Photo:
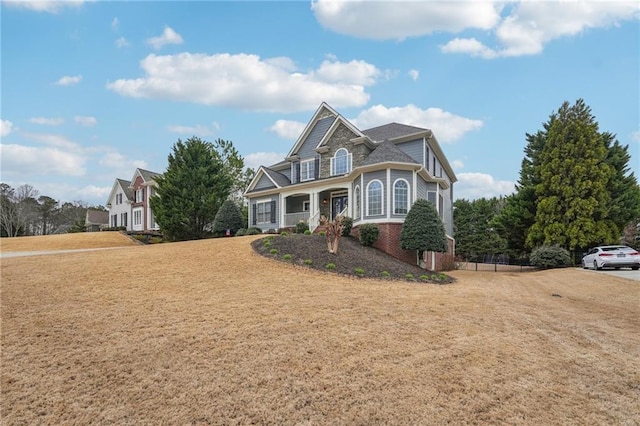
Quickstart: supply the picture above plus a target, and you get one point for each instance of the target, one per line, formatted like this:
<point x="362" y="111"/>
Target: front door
<point x="338" y="203"/>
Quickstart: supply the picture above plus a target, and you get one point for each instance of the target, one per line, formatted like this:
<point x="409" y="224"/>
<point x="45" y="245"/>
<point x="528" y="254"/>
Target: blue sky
<point x="91" y="90"/>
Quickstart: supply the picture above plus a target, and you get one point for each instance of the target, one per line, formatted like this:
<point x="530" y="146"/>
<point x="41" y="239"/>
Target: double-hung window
<point x="307" y="170"/>
<point x="263" y="212"/>
<point x="139" y="195"/>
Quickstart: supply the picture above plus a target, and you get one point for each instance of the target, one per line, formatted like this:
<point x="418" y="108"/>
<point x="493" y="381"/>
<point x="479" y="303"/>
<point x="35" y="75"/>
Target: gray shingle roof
<point x="385" y="152"/>
<point x="277" y="177"/>
<point x="125" y="184"/>
<point x="148" y="175"/>
<point x="390" y="131"/>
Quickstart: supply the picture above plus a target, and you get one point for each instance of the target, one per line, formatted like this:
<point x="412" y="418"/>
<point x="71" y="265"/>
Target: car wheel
<point x="595" y="266"/>
<point x="635" y="268"/>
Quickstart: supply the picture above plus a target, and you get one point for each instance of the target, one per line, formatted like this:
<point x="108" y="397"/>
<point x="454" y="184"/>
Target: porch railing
<point x="314" y="221"/>
<point x="292" y="219"/>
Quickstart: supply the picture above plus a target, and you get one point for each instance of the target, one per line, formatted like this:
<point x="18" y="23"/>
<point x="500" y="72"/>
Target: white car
<point x="612" y="257"/>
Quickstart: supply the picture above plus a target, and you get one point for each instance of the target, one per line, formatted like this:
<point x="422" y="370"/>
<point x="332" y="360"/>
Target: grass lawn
<point x="209" y="332"/>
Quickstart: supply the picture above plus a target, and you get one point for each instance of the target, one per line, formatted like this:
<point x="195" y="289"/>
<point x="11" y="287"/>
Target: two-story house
<point x="373" y="176"/>
<point x="128" y="202"/>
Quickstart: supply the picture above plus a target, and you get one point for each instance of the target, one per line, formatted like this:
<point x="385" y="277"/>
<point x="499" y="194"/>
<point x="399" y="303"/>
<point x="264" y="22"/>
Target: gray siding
<point x="413" y="149"/>
<point x="380" y="175"/>
<point x="307" y="150"/>
<point x="294" y="204"/>
<point x="422" y="189"/>
<point x="264" y="183"/>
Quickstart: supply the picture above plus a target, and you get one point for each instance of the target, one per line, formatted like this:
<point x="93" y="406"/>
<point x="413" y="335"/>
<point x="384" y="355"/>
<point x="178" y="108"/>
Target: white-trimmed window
<point x="341" y="162"/>
<point x="358" y="203"/>
<point x="123" y="219"/>
<point x="139" y="195"/>
<point x="307" y="170"/>
<point x="374" y="198"/>
<point x="263" y="212"/>
<point x="305" y="206"/>
<point x="400" y="197"/>
<point x="137" y="217"/>
<point x="119" y="198"/>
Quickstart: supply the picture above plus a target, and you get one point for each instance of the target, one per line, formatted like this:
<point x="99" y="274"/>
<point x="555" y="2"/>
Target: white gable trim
<point x="305" y="133"/>
<point x="261" y="172"/>
<point x="114" y="188"/>
<point x="339" y="119"/>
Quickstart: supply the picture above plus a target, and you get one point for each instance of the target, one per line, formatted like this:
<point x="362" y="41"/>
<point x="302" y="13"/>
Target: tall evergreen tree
<point x="199" y="178"/>
<point x="572" y="196"/>
<point x="474" y="228"/>
<point x="229" y="217"/>
<point x="623" y="186"/>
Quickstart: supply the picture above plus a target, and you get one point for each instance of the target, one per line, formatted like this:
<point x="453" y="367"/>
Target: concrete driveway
<point x="622" y="273"/>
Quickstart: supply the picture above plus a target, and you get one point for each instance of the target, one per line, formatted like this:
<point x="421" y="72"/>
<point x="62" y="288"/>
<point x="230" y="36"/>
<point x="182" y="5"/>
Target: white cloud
<point x="530" y="25"/>
<point x="6" y="127"/>
<point x="248" y="82"/>
<point x="383" y="20"/>
<point x="169" y="36"/>
<point x="257" y="159"/>
<point x="47" y="121"/>
<point x="447" y="127"/>
<point x="287" y="129"/>
<point x="49" y="6"/>
<point x="115" y="24"/>
<point x="92" y="192"/>
<point x="635" y="136"/>
<point x="414" y="74"/>
<point x="457" y="164"/>
<point x="477" y="185"/>
<point x="20" y="160"/>
<point x="122" y="42"/>
<point x="68" y="80"/>
<point x="198" y="130"/>
<point x="85" y="121"/>
<point x="53" y="140"/>
<point x="118" y="164"/>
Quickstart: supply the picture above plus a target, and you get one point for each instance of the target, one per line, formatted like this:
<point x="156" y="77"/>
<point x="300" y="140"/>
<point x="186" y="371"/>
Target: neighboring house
<point x="128" y="202"/>
<point x="95" y="220"/>
<point x="119" y="204"/>
<point x="373" y="176"/>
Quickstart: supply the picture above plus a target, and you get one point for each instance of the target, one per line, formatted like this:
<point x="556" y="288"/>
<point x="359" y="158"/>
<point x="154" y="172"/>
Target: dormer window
<point x="341" y="162"/>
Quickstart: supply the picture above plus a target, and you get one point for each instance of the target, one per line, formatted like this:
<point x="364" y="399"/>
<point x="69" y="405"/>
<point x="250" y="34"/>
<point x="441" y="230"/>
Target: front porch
<point x="309" y="207"/>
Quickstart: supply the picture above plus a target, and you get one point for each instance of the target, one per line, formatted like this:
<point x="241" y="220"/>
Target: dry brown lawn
<point x="81" y="240"/>
<point x="209" y="332"/>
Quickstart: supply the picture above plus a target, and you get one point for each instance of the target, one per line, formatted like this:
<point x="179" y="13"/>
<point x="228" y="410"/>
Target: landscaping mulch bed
<point x="311" y="251"/>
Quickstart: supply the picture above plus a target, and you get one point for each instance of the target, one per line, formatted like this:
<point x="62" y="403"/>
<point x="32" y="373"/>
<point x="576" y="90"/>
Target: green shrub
<point x="155" y="240"/>
<point x="359" y="271"/>
<point x="307" y="232"/>
<point x="322" y="233"/>
<point x="254" y="231"/>
<point x="284" y="233"/>
<point x="547" y="257"/>
<point x="425" y="277"/>
<point x="409" y="276"/>
<point x="369" y="233"/>
<point x="229" y="218"/>
<point x="272" y="231"/>
<point x="385" y="274"/>
<point x="347" y="224"/>
<point x="273" y="251"/>
<point x="267" y="243"/>
<point x="331" y="266"/>
<point x="287" y="256"/>
<point x="240" y="232"/>
<point x="308" y="261"/>
<point x="301" y="227"/>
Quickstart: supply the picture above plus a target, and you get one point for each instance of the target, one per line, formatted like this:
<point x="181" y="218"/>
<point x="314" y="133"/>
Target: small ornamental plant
<point x="267" y="243"/>
<point x="307" y="232"/>
<point x="385" y="274"/>
<point x="273" y="251"/>
<point x="287" y="256"/>
<point x="284" y="233"/>
<point x="409" y="276"/>
<point x="331" y="266"/>
<point x="308" y="261"/>
<point x="359" y="271"/>
<point x="425" y="277"/>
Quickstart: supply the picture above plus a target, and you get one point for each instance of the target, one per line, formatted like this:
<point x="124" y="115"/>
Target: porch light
<point x="324" y="201"/>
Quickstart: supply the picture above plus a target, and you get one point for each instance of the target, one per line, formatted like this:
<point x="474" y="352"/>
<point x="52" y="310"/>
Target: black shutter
<point x="297" y="174"/>
<point x="317" y="168"/>
<point x="253" y="214"/>
<point x="273" y="212"/>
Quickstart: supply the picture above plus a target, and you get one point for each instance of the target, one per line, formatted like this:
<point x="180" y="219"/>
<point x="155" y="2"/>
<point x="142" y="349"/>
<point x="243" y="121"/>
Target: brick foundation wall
<point x="389" y="242"/>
